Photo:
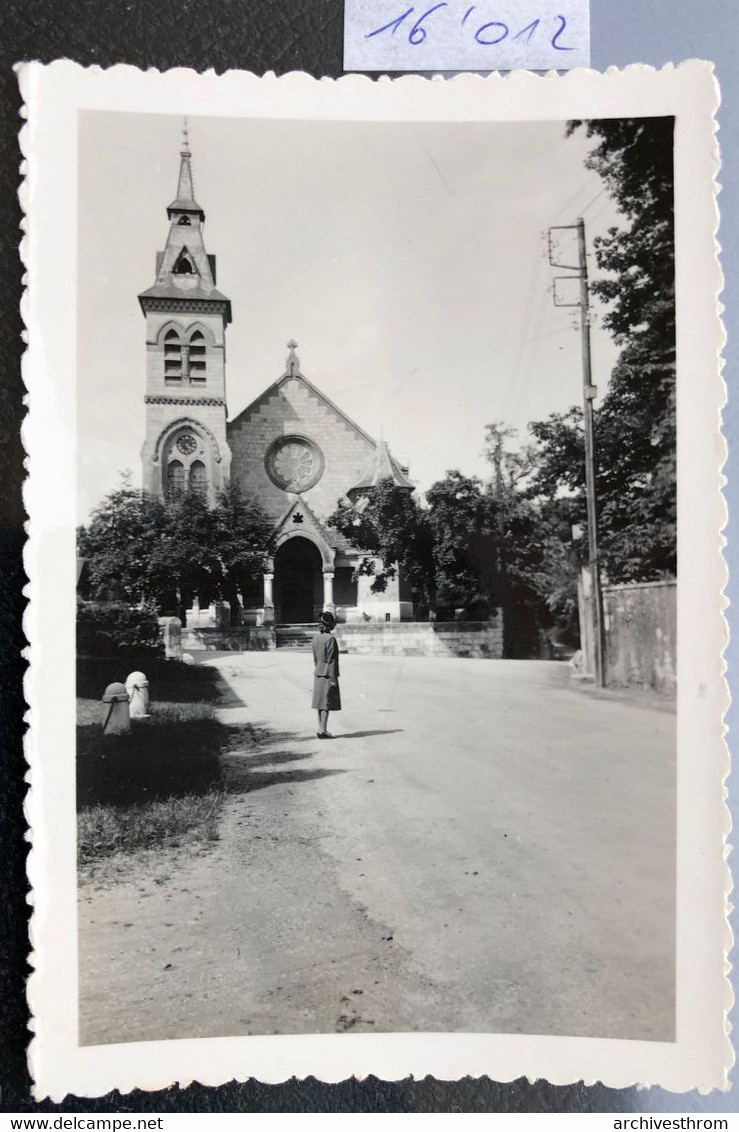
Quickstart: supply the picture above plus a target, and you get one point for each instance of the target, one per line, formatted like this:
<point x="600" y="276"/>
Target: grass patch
<point x="160" y="785"/>
<point x="102" y="830"/>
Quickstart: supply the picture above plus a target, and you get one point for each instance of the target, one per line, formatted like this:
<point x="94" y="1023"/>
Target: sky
<point x="408" y="261"/>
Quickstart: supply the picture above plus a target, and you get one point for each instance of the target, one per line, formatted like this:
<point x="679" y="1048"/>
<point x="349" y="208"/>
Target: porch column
<point x="328" y="591"/>
<point x="269" y="608"/>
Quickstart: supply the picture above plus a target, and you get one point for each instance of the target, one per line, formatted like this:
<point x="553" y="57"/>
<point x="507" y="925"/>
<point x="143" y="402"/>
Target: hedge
<point x="113" y="627"/>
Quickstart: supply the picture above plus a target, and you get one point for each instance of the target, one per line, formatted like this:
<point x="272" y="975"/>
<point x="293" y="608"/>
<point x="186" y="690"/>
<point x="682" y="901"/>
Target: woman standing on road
<point x="326" y="695"/>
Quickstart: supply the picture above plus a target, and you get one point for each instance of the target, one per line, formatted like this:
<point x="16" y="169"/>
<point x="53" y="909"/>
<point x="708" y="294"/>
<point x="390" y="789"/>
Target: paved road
<point x="480" y="848"/>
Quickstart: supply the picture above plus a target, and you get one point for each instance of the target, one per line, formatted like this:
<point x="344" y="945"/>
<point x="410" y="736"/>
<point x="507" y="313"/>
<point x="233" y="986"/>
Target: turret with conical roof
<point x="380" y="466"/>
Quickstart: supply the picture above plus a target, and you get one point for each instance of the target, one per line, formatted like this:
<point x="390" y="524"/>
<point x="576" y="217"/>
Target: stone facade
<point x="294" y="407"/>
<point x="291" y="449"/>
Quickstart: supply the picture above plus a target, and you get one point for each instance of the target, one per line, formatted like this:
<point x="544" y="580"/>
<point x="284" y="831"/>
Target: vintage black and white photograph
<point x="376" y="508"/>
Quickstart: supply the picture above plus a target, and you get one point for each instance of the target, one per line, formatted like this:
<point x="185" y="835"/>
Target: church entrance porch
<point x="298" y="582"/>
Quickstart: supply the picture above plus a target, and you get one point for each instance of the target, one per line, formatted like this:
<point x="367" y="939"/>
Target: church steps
<point x="294" y="636"/>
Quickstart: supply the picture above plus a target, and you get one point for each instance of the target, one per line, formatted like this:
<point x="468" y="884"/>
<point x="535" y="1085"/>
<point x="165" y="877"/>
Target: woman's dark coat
<point x="326" y="696"/>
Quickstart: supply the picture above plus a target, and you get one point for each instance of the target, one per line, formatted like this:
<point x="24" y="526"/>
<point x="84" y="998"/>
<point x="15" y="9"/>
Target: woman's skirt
<point x="326" y="697"/>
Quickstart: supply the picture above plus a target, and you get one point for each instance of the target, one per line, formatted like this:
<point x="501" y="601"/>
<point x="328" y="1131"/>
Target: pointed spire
<point x="185" y="190"/>
<point x="293" y="361"/>
<point x="185" y="199"/>
<point x="184" y="270"/>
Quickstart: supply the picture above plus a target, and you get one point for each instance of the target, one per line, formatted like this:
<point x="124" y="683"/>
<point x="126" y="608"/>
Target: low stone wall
<point x="480" y="639"/>
<point x="238" y="638"/>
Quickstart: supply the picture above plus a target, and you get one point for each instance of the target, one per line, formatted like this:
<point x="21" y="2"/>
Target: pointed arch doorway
<point x="298" y="582"/>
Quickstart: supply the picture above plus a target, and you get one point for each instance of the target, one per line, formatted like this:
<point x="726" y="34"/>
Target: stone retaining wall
<point x="239" y="638"/>
<point x="481" y="639"/>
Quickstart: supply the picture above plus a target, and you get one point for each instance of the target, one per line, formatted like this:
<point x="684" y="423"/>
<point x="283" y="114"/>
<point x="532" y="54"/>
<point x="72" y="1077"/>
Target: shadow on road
<point x="241" y="773"/>
<point x="368" y="734"/>
<point x="245" y="760"/>
<point x="246" y="737"/>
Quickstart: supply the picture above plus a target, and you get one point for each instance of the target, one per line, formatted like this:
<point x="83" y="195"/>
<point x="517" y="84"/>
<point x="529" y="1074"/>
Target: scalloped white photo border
<point x="701" y="1054"/>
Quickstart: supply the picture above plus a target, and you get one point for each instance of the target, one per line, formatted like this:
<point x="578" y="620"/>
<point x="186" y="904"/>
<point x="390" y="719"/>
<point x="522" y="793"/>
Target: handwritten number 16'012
<point x="487" y="34"/>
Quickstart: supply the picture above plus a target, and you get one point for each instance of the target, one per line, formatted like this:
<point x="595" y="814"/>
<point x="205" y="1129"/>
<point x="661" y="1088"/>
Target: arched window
<point x="172" y="356"/>
<point x="198" y="479"/>
<point x="197" y="357"/>
<point x="184" y="266"/>
<point x="185" y="221"/>
<point x="175" y="479"/>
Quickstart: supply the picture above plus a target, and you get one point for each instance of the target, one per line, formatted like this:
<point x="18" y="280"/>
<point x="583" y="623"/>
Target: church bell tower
<point x="186" y="448"/>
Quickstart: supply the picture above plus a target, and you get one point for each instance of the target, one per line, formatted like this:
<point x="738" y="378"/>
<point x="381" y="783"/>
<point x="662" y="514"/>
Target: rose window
<point x="294" y="463"/>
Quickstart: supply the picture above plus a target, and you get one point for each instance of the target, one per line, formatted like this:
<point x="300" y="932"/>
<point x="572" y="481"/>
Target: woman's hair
<point x="327" y="619"/>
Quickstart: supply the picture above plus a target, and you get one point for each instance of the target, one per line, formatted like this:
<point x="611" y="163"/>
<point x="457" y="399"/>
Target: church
<point x="292" y="449"/>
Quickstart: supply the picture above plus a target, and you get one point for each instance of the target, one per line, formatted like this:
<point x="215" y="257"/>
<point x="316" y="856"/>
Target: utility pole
<point x="580" y="271"/>
<point x="502" y="578"/>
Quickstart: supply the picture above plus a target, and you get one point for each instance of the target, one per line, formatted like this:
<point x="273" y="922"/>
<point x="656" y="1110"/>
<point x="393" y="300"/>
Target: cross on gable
<point x="293" y="361"/>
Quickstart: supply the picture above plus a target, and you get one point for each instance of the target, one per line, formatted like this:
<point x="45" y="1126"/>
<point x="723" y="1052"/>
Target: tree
<point x="634" y="157"/>
<point x="187" y="552"/>
<point x="445" y="549"/>
<point x="140" y="549"/>
<point x="636" y="481"/>
<point x="244" y="540"/>
<point x="635" y="424"/>
<point x="121" y="546"/>
<point x="536" y="585"/>
<point x="389" y="524"/>
<point x="452" y="548"/>
<point x="464" y="549"/>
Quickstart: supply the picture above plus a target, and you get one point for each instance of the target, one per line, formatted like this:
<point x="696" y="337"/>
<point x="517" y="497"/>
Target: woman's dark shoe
<point x="320" y="735"/>
<point x="326" y="735"/>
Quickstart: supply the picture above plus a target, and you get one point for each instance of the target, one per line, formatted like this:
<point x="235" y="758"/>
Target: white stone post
<point x="328" y="591"/>
<point x="137" y="687"/>
<point x="269" y="607"/>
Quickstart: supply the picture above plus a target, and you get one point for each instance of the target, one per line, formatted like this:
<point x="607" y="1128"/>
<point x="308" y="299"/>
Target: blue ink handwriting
<point x="487" y="34"/>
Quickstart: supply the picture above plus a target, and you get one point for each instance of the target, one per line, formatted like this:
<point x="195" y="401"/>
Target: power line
<point x="530" y="348"/>
<point x="601" y="211"/>
<point x="585" y="185"/>
<point x="525" y="329"/>
<point x="592" y="202"/>
<point x="534" y="297"/>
